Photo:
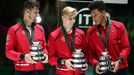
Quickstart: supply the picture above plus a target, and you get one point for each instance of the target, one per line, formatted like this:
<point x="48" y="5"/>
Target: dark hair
<point x="100" y="5"/>
<point x="29" y="4"/>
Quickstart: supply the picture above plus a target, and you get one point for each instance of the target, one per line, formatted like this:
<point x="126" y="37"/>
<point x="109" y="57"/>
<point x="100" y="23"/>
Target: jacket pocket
<point x="117" y="43"/>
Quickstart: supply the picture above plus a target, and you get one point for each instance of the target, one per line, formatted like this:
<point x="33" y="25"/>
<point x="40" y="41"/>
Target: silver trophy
<point x="78" y="59"/>
<point x="105" y="62"/>
<point x="36" y="52"/>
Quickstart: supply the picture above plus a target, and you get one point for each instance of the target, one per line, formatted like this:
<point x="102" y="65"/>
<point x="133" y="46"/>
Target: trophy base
<point x="79" y="66"/>
<point x="37" y="59"/>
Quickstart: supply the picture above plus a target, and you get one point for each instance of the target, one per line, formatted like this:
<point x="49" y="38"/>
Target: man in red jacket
<point x="107" y="36"/>
<point x="20" y="40"/>
<point x="63" y="42"/>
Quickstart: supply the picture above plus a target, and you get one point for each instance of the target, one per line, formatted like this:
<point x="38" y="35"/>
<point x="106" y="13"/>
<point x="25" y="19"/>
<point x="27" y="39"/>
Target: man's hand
<point x="97" y="69"/>
<point x="29" y="59"/>
<point x="116" y="66"/>
<point x="86" y="67"/>
<point x="46" y="58"/>
<point x="69" y="65"/>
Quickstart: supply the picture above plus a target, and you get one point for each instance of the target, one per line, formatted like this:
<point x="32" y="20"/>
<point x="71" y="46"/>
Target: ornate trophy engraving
<point x="36" y="51"/>
<point x="105" y="62"/>
<point x="78" y="59"/>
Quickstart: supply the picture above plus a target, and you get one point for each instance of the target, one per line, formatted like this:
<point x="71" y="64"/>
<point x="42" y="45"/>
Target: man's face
<point x="32" y="14"/>
<point x="68" y="20"/>
<point x="97" y="16"/>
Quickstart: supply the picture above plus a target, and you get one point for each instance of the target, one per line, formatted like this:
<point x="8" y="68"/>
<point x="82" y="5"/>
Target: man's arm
<point x="91" y="50"/>
<point x="125" y="44"/>
<point x="11" y="46"/>
<point x="53" y="59"/>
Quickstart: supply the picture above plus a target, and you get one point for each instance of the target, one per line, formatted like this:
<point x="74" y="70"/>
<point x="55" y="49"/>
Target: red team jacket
<point x="17" y="43"/>
<point x="58" y="48"/>
<point x="118" y="43"/>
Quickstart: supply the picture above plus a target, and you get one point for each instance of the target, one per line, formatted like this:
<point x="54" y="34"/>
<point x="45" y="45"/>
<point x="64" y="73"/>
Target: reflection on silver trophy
<point x="36" y="51"/>
<point x="78" y="59"/>
<point x="105" y="62"/>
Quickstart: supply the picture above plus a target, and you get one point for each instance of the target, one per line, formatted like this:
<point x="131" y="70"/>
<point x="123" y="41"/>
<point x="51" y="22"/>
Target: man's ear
<point x="62" y="17"/>
<point x="27" y="11"/>
<point x="104" y="12"/>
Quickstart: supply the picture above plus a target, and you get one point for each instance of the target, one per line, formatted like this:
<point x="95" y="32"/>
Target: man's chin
<point x="97" y="23"/>
<point x="71" y="26"/>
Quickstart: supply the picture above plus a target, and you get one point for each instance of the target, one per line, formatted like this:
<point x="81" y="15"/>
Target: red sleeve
<point x="45" y="44"/>
<point x="125" y="43"/>
<point x="91" y="50"/>
<point x="11" y="46"/>
<point x="84" y="48"/>
<point x="51" y="50"/>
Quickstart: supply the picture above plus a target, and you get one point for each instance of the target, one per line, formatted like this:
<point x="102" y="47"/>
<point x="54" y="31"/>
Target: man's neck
<point x="104" y="23"/>
<point x="68" y="30"/>
<point x="27" y="23"/>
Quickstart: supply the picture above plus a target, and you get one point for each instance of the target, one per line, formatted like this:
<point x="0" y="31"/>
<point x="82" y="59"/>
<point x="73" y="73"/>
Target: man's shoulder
<point x="15" y="26"/>
<point x="91" y="29"/>
<point x="56" y="32"/>
<point x="40" y="27"/>
<point x="117" y="24"/>
<point x="81" y="32"/>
